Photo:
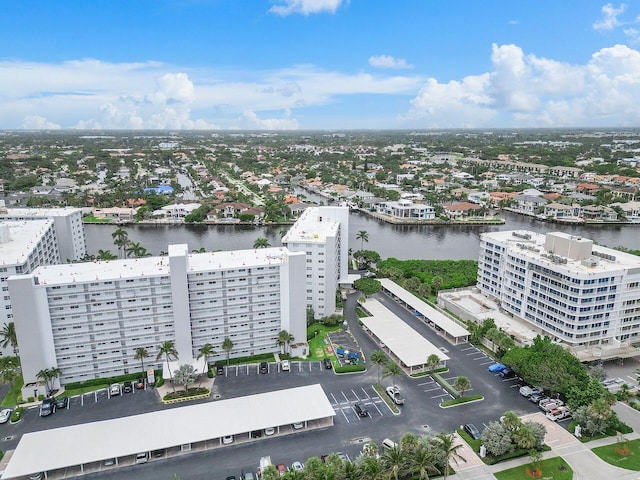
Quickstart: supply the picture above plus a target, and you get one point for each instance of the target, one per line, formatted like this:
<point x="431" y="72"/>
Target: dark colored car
<point x="256" y="434"/>
<point x="127" y="387"/>
<point x="62" y="402"/>
<point x="158" y="453"/>
<point x="264" y="367"/>
<point x="472" y="430"/>
<point x="507" y="373"/>
<point x="327" y="364"/>
<point x="219" y="370"/>
<point x="47" y="407"/>
<point x="360" y="410"/>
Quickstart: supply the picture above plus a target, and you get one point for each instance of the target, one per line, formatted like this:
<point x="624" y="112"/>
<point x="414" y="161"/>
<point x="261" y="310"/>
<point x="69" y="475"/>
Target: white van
<point x="142" y="457"/>
<point x="388" y="443"/>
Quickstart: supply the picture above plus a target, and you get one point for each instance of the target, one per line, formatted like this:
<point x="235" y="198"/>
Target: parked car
<point x="219" y="369"/>
<point x="507" y="373"/>
<point x="281" y="468"/>
<point x="264" y="367"/>
<point x="527" y="390"/>
<point x="5" y="415"/>
<point x="550" y="404"/>
<point x="36" y="476"/>
<point x="269" y="431"/>
<point x="142" y="457"/>
<point x="327" y="364"/>
<point x="472" y="430"/>
<point x="159" y="453"/>
<point x="360" y="410"/>
<point x="297" y="466"/>
<point x="256" y="434"/>
<point x="297" y="425"/>
<point x="127" y="387"/>
<point x="536" y="397"/>
<point x="394" y="394"/>
<point x="284" y="365"/>
<point x="62" y="402"/>
<point x="140" y="384"/>
<point x="388" y="444"/>
<point x="558" y="414"/>
<point x="109" y="462"/>
<point x="114" y="389"/>
<point x="47" y="407"/>
<point x="227" y="439"/>
<point x="496" y="367"/>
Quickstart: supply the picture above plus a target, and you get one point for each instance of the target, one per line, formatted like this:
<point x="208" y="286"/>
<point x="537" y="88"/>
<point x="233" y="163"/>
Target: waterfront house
<point x="406" y="209"/>
<point x="461" y="209"/>
<point x="560" y="211"/>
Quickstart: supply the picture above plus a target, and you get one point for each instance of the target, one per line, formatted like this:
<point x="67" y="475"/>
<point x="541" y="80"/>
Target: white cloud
<point x="633" y="35"/>
<point x="529" y="91"/>
<point x="610" y="15"/>
<point x="36" y="122"/>
<point x="251" y="121"/>
<point x="387" y="61"/>
<point x="306" y="7"/>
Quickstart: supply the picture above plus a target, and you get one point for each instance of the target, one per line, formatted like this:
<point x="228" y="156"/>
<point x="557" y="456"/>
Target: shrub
<point x="350" y="368"/>
<point x="210" y="373"/>
<point x="30" y="399"/>
<point x="40" y="397"/>
<point x="159" y="381"/>
<point x="16" y="415"/>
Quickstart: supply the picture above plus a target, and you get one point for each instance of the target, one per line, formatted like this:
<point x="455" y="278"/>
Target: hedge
<point x="192" y="392"/>
<point x="251" y="359"/>
<point x="109" y="380"/>
<point x="449" y="388"/>
<point x="350" y="368"/>
<point x="459" y="400"/>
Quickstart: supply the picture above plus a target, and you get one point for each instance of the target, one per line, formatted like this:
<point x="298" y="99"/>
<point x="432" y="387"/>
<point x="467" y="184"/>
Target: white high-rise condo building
<point x="87" y="319"/>
<point x="68" y="226"/>
<point x="574" y="291"/>
<point x="323" y="234"/>
<point x="24" y="246"/>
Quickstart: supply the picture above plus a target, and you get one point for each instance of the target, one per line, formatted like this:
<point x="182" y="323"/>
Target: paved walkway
<point x="585" y="464"/>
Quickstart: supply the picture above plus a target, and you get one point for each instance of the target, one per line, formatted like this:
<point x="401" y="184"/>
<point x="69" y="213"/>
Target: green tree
<point x="524" y="438"/>
<point x="393" y="462"/>
<point x="206" y="351"/>
<point x="140" y="354"/>
<point x="261" y="243"/>
<point x="168" y="350"/>
<point x="422" y="462"/>
<point x="433" y="361"/>
<point x="284" y="340"/>
<point x="392" y="369"/>
<point x="368" y="286"/>
<point x="120" y="239"/>
<point x="378" y="358"/>
<point x="105" y="255"/>
<point x="363" y="236"/>
<point x="462" y="384"/>
<point x="448" y="448"/>
<point x="496" y="438"/>
<point x="184" y="375"/>
<point x="8" y="337"/>
<point x="511" y="421"/>
<point x="227" y="346"/>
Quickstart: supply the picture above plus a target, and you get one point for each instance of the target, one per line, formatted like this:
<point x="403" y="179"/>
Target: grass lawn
<point x="11" y="398"/>
<point x="555" y="468"/>
<point x="631" y="461"/>
<point x="317" y="347"/>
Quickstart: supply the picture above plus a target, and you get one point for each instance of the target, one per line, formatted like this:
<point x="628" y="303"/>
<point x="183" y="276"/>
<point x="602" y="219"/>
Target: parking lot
<point x="273" y="367"/>
<point x="343" y="402"/>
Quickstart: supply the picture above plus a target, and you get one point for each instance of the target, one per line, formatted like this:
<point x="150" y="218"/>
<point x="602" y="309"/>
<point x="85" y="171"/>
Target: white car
<point x="297" y="466"/>
<point x="269" y="431"/>
<point x="284" y="364"/>
<point x="114" y="389"/>
<point x="297" y="425"/>
<point x="227" y="439"/>
<point x="5" y="415"/>
<point x="394" y="393"/>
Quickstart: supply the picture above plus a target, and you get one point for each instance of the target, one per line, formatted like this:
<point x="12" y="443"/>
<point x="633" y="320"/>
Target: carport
<point x="400" y="340"/>
<point x="81" y="449"/>
<point x="450" y="329"/>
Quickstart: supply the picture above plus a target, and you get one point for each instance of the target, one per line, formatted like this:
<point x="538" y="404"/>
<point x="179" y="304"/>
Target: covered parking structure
<point x="445" y="326"/>
<point x="81" y="449"/>
<point x="401" y="341"/>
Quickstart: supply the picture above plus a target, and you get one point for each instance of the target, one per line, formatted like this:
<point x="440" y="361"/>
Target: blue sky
<point x="319" y="64"/>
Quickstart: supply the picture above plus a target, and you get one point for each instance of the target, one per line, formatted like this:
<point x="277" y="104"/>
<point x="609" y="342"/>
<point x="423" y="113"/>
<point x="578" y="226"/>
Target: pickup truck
<point x="394" y="393"/>
<point x="527" y="391"/>
<point x="558" y="413"/>
<point x="548" y="405"/>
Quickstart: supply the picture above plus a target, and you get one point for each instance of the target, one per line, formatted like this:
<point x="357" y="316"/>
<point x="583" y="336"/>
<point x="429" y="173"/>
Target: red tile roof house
<point x="459" y="210"/>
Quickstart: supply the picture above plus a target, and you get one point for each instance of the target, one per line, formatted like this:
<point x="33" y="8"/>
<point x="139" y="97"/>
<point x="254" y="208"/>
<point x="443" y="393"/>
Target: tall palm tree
<point x="206" y="351"/>
<point x="284" y="339"/>
<point x="168" y="349"/>
<point x="448" y="448"/>
<point x="363" y="236"/>
<point x="227" y="346"/>
<point x="392" y="369"/>
<point x="261" y="243"/>
<point x="120" y="239"/>
<point x="393" y="461"/>
<point x="378" y="358"/>
<point x="8" y="337"/>
<point x="54" y="373"/>
<point x="141" y="354"/>
<point x="422" y="462"/>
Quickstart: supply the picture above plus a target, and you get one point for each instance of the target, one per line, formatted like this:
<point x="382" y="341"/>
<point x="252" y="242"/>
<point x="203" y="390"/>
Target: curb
<point x="463" y="403"/>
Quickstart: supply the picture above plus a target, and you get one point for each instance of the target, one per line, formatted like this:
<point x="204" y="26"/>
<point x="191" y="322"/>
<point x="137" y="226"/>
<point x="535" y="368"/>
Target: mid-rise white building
<point x="24" y="246"/>
<point x="87" y="319"/>
<point x="323" y="234"/>
<point x="68" y="225"/>
<point x="574" y="291"/>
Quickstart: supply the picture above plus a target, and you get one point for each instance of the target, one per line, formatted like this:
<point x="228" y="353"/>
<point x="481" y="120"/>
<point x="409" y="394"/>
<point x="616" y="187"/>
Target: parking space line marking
<point x="426" y="383"/>
<point x="355" y="394"/>
<point x="442" y="395"/>
<point x="334" y="399"/>
<point x="365" y="392"/>
<point x="345" y="416"/>
<point x="468" y="348"/>
<point x="378" y="410"/>
<point x="487" y="363"/>
<point x="473" y="353"/>
<point x="478" y="358"/>
<point x="345" y="397"/>
<point x="432" y="389"/>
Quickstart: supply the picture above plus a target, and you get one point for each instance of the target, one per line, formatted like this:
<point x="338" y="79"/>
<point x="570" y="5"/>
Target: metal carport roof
<point x="57" y="448"/>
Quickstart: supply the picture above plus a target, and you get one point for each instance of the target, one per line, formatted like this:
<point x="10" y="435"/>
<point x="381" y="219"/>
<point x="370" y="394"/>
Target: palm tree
<point x="462" y="384"/>
<point x="168" y="349"/>
<point x="392" y="369"/>
<point x="54" y="373"/>
<point x="363" y="236"/>
<point x="393" y="461"/>
<point x="8" y="337"/>
<point x="261" y="243"/>
<point x="199" y="250"/>
<point x="284" y="338"/>
<point x="184" y="375"/>
<point x="9" y="376"/>
<point x="48" y="374"/>
<point x="120" y="239"/>
<point x="511" y="421"/>
<point x="136" y="249"/>
<point x="205" y="351"/>
<point x="433" y="361"/>
<point x="105" y="255"/>
<point x="141" y="354"/>
<point x="227" y="346"/>
<point x="422" y="462"/>
<point x="378" y="358"/>
<point x="446" y="445"/>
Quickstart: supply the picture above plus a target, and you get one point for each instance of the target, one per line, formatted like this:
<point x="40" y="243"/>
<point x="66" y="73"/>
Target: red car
<point x="281" y="468"/>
